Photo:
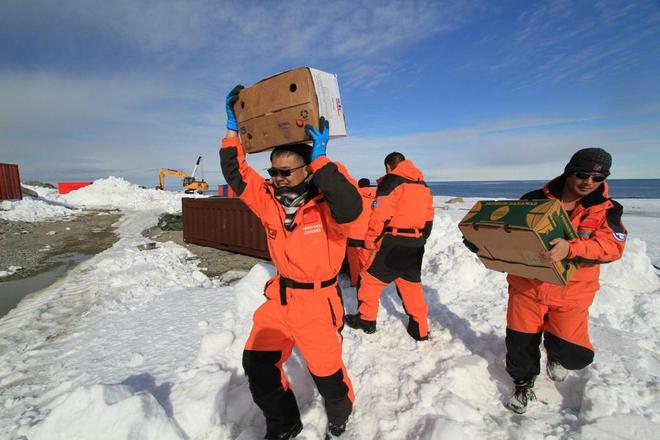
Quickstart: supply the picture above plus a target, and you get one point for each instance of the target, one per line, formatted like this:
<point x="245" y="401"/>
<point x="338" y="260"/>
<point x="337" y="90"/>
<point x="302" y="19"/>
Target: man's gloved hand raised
<point x="232" y="97"/>
<point x="320" y="137"/>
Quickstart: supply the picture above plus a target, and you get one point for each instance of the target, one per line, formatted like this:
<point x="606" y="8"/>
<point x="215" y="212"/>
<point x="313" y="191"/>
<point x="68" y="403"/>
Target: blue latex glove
<point x="320" y="138"/>
<point x="232" y="97"/>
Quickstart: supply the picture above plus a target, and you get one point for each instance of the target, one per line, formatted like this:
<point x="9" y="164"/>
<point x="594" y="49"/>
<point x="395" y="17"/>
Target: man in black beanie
<point x="560" y="314"/>
<point x="594" y="160"/>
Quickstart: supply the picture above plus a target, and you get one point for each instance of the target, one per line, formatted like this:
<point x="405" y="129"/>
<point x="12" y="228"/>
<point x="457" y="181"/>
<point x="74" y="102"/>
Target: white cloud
<point x="94" y="126"/>
<point x="525" y="148"/>
<point x="40" y="101"/>
<point x="562" y="41"/>
<point x="56" y="125"/>
<point x="151" y="24"/>
<point x="358" y="38"/>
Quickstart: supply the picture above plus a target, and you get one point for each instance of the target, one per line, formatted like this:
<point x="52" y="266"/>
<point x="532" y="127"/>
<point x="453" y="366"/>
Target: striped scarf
<point x="291" y="199"/>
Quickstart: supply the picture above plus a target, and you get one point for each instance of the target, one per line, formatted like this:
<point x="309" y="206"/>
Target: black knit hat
<point x="364" y="182"/>
<point x="590" y="160"/>
<point x="302" y="150"/>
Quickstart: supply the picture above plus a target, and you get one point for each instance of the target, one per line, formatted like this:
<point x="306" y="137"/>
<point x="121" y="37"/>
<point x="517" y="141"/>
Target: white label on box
<point x="330" y="107"/>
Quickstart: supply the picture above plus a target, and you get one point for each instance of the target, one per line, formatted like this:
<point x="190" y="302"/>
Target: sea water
<point x="513" y="189"/>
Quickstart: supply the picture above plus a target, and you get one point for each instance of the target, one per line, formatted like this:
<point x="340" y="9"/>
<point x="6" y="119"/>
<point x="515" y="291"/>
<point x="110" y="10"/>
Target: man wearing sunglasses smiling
<point x="306" y="209"/>
<point x="560" y="314"/>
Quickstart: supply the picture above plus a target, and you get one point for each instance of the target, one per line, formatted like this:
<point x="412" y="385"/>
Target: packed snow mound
<point x="634" y="271"/>
<point x="117" y="193"/>
<point x="107" y="412"/>
<point x="43" y="191"/>
<point x="133" y="276"/>
<point x="202" y="403"/>
<point x="108" y="193"/>
<point x="34" y="210"/>
<point x="628" y="298"/>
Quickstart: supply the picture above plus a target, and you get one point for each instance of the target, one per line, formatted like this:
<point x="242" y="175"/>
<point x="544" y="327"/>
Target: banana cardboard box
<point x="275" y="110"/>
<point x="511" y="234"/>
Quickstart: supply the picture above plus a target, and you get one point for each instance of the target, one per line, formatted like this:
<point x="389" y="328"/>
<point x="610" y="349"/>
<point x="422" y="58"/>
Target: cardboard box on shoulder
<point x="511" y="234"/>
<point x="275" y="110"/>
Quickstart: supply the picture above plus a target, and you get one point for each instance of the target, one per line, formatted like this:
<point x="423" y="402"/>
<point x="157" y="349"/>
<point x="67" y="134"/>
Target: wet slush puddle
<point x="12" y="292"/>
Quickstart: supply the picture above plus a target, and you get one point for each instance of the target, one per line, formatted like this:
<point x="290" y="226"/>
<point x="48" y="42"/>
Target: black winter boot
<point x="413" y="331"/>
<point x="522" y="394"/>
<point x="290" y="433"/>
<point x="334" y="430"/>
<point x="556" y="371"/>
<point x="356" y="322"/>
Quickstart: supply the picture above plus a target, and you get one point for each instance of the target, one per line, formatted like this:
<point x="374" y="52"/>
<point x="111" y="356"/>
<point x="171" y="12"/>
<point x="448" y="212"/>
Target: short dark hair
<point x="393" y="159"/>
<point x="364" y="182"/>
<point x="303" y="151"/>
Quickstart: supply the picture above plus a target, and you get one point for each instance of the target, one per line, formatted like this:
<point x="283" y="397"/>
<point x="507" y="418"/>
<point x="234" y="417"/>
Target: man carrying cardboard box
<point x="560" y="314"/>
<point x="399" y="225"/>
<point x="306" y="209"/>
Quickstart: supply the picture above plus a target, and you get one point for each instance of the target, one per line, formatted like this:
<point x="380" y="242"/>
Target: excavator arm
<point x="199" y="159"/>
<point x="167" y="172"/>
<point x="189" y="182"/>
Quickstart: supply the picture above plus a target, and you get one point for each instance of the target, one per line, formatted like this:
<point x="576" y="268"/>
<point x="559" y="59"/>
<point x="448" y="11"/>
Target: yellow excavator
<point x="190" y="185"/>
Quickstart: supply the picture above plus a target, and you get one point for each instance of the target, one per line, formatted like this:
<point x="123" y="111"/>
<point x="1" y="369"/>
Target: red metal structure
<point x="10" y="182"/>
<point x="223" y="223"/>
<point x="67" y="187"/>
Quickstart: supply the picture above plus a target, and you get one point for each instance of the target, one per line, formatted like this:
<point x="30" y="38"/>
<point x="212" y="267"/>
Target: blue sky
<point x="469" y="90"/>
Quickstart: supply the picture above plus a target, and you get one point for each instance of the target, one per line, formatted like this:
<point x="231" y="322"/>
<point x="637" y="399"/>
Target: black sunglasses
<point x="286" y="172"/>
<point x="584" y="176"/>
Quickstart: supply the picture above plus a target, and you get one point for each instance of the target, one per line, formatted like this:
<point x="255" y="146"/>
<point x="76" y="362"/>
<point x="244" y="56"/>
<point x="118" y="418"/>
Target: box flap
<point x="330" y="106"/>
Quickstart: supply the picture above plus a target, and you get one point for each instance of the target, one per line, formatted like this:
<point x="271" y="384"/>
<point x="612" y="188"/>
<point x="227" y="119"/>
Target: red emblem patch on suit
<point x="272" y="232"/>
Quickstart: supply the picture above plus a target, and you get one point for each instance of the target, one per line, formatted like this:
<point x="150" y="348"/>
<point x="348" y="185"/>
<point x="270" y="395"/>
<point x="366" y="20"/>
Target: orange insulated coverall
<point x="399" y="225"/>
<point x="561" y="313"/>
<point x="303" y="304"/>
<point x="356" y="253"/>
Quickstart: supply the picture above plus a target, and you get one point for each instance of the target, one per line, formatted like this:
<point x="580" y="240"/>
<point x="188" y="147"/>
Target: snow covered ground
<point x="108" y="193"/>
<point x="141" y="344"/>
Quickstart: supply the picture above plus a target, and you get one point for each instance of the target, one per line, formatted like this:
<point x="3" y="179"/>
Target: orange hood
<point x="408" y="170"/>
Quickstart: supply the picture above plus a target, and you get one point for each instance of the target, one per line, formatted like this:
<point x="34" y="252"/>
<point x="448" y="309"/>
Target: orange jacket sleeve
<point x="606" y="243"/>
<point x="430" y="214"/>
<point x="242" y="178"/>
<point x="339" y="191"/>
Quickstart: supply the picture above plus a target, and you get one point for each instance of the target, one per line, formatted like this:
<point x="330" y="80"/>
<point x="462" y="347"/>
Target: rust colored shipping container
<point x="10" y="182"/>
<point x="223" y="223"/>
